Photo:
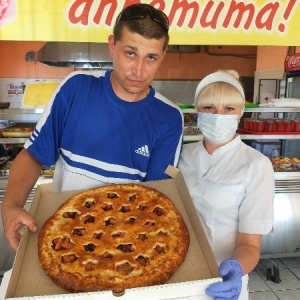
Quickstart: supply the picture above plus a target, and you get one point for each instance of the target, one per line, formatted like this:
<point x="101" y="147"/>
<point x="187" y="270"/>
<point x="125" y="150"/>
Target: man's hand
<point x="230" y="287"/>
<point x="13" y="222"/>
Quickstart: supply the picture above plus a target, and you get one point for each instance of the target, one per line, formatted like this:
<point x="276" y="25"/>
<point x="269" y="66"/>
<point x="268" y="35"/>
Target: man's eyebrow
<point x="133" y="48"/>
<point x="130" y="47"/>
<point x="153" y="54"/>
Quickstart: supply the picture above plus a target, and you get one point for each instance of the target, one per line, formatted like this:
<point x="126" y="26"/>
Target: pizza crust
<point x="112" y="238"/>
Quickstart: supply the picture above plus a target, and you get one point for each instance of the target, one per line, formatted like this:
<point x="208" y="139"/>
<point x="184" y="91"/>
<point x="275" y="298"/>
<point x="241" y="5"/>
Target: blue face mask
<point x="217" y="129"/>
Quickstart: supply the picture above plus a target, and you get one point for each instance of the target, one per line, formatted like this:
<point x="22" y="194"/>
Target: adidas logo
<point x="143" y="151"/>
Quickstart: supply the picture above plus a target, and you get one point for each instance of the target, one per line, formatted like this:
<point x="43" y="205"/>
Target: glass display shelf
<point x="13" y="140"/>
<point x="199" y="137"/>
<point x="256" y="109"/>
<point x="13" y="111"/>
<point x="194" y="138"/>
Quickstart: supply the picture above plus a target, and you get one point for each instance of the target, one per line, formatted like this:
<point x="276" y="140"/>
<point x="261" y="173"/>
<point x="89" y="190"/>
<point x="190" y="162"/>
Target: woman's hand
<point x="230" y="287"/>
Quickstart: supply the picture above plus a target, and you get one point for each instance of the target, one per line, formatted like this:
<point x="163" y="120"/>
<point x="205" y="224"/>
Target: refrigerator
<point x="292" y="90"/>
<point x="292" y="87"/>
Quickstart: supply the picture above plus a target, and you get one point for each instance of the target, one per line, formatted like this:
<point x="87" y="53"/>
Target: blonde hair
<point x="221" y="93"/>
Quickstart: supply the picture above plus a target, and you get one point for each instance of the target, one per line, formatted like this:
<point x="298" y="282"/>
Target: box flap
<point x="196" y="223"/>
<point x="194" y="218"/>
<point x="172" y="171"/>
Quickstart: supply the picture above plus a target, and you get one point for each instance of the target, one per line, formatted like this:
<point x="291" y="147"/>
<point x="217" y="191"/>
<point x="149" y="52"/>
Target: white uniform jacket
<point x="233" y="191"/>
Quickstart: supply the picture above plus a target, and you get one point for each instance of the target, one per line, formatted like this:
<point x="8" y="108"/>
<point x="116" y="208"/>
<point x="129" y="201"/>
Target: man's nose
<point x="138" y="67"/>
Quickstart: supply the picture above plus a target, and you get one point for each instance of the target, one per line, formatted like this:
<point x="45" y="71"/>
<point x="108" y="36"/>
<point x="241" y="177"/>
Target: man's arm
<point x="166" y="152"/>
<point x="23" y="175"/>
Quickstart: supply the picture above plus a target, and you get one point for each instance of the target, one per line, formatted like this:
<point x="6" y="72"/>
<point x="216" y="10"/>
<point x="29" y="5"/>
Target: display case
<point x="19" y="117"/>
<point x="191" y="134"/>
<point x="255" y="113"/>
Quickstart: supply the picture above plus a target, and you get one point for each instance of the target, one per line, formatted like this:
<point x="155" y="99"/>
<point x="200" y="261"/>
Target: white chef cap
<point x="217" y="77"/>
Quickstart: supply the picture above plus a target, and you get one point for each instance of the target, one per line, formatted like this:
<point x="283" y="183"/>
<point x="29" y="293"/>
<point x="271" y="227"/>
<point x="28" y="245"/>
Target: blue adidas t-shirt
<point x="96" y="138"/>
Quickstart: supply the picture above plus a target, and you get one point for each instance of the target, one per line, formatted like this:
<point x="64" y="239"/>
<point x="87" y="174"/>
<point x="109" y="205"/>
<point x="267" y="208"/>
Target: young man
<point x="111" y="127"/>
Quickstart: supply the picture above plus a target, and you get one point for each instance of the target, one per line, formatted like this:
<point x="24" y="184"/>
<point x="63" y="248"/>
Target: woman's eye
<point x="230" y="108"/>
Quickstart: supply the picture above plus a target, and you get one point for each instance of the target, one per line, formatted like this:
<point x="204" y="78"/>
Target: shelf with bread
<point x="15" y="134"/>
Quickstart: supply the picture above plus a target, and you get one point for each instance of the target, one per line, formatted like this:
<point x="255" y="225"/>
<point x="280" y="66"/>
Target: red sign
<point x="292" y="63"/>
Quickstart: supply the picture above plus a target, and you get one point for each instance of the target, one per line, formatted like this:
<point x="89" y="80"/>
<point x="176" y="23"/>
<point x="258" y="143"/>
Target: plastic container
<point x="259" y="126"/>
<point x="269" y="125"/>
<point x="296" y="125"/>
<point x="247" y="123"/>
<point x="287" y="125"/>
<point x="252" y="124"/>
<point x="279" y="125"/>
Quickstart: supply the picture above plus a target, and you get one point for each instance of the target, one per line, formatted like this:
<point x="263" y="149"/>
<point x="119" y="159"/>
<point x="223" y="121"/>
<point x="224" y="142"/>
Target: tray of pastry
<point x="16" y="132"/>
<point x="47" y="172"/>
<point x="191" y="130"/>
<point x="285" y="163"/>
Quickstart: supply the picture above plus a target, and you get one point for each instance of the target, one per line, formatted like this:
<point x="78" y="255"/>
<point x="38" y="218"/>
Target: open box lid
<point x="197" y="271"/>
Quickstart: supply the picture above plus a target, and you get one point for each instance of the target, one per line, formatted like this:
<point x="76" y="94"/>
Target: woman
<point x="231" y="184"/>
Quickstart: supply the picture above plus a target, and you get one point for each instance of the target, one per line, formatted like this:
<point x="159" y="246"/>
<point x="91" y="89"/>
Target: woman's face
<point x="221" y="109"/>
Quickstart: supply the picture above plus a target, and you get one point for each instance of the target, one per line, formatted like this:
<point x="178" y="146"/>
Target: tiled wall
<point x="178" y="91"/>
<point x="12" y="90"/>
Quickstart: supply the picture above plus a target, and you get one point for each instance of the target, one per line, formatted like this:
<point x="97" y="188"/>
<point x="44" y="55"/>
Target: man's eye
<point x="150" y="57"/>
<point x="129" y="53"/>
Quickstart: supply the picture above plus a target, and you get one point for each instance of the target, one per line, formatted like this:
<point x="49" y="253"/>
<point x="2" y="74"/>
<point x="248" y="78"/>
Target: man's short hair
<point x="144" y="20"/>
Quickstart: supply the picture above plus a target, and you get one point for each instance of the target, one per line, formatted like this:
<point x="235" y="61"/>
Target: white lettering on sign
<point x="292" y="63"/>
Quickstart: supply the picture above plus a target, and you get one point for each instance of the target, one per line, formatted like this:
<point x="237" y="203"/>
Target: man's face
<point x="136" y="61"/>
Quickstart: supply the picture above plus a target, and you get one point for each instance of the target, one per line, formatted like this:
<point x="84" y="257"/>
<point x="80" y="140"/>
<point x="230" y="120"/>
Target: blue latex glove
<point x="230" y="287"/>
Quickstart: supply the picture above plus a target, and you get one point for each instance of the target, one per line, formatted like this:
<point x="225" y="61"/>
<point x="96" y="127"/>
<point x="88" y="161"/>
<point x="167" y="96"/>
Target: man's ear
<point x="111" y="45"/>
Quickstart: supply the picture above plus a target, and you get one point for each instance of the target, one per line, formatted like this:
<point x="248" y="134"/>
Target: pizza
<point x="112" y="238"/>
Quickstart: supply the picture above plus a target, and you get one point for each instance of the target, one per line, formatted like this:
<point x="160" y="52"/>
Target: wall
<point x="13" y="64"/>
<point x="271" y="57"/>
<point x="176" y="79"/>
<point x="264" y="62"/>
<point x="194" y="66"/>
<point x="176" y="66"/>
<point x="270" y="64"/>
<point x="179" y="91"/>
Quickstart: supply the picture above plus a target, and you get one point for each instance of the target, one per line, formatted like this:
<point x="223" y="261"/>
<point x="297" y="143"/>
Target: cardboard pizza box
<point x="197" y="272"/>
